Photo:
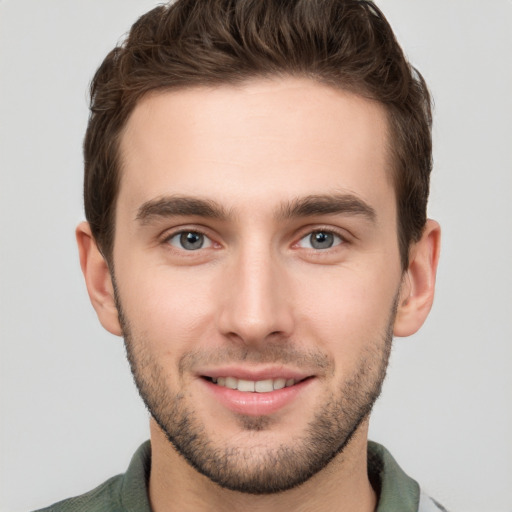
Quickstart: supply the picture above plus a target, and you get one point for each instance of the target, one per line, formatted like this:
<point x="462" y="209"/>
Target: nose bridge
<point x="256" y="305"/>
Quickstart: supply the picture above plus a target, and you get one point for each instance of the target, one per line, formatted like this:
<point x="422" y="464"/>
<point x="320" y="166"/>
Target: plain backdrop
<point x="70" y="415"/>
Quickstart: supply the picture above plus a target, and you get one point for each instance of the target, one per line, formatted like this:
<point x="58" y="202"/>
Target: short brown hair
<point x="347" y="44"/>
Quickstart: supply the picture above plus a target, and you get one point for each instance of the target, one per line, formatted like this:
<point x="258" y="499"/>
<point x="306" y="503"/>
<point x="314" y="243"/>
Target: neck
<point x="342" y="485"/>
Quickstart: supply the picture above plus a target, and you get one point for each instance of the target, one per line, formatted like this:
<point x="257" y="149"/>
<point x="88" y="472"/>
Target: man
<point x="256" y="180"/>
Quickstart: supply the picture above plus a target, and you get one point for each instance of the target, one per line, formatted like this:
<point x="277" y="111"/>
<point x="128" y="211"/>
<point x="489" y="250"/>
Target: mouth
<point x="256" y="391"/>
<point x="254" y="386"/>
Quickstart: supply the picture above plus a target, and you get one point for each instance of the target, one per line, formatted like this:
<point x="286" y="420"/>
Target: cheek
<point x="168" y="308"/>
<point x="346" y="314"/>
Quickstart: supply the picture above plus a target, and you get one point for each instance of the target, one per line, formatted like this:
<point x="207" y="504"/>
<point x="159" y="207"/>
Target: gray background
<point x="70" y="415"/>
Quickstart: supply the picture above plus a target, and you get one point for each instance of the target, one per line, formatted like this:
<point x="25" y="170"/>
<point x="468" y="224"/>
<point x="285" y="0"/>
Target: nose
<point x="257" y="305"/>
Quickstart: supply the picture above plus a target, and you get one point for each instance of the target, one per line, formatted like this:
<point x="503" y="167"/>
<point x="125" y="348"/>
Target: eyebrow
<point x="179" y="206"/>
<point x="309" y="206"/>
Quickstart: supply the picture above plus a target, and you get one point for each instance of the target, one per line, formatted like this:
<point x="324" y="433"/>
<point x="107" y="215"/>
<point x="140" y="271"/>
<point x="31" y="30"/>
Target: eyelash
<point x="168" y="237"/>
<point x="305" y="234"/>
<point x="327" y="231"/>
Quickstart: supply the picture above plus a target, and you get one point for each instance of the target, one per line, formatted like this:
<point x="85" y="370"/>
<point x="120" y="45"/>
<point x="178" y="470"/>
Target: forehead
<point x="255" y="143"/>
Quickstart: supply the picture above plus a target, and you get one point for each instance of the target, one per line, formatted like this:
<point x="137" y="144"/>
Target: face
<point x="257" y="272"/>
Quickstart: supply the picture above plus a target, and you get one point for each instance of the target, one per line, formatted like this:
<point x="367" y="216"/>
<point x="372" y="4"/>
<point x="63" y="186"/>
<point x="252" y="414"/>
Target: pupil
<point x="321" y="240"/>
<point x="191" y="240"/>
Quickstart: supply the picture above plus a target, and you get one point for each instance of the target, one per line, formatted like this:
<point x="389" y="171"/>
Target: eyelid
<point x="303" y="232"/>
<point x="309" y="230"/>
<point x="178" y="230"/>
<point x="206" y="241"/>
<point x="308" y="242"/>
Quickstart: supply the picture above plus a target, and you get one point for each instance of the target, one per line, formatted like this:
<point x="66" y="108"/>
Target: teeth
<point x="231" y="382"/>
<point x="251" y="386"/>
<point x="245" y="385"/>
<point x="264" y="386"/>
<point x="280" y="383"/>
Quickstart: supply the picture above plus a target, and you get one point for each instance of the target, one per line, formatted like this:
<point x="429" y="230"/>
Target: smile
<point x="253" y="386"/>
<point x="258" y="396"/>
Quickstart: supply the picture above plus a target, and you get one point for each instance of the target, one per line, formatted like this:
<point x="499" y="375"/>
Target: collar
<point x="397" y="492"/>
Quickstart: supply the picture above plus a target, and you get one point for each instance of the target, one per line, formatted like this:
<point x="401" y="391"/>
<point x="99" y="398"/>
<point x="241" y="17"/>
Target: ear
<point x="98" y="279"/>
<point x="418" y="284"/>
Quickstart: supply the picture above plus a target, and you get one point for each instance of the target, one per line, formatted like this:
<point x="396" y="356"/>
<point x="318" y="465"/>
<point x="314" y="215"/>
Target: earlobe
<point x="418" y="285"/>
<point x="97" y="279"/>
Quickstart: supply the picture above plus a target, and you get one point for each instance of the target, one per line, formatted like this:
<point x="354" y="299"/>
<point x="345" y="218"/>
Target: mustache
<point x="313" y="361"/>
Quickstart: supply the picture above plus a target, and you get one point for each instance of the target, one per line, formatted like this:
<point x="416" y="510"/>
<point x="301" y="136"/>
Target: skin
<point x="257" y="296"/>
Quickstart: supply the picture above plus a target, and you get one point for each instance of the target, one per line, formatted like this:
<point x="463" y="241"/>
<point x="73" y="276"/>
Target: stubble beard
<point x="262" y="470"/>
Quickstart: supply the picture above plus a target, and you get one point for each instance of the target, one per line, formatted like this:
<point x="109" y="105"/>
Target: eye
<point x="320" y="239"/>
<point x="189" y="240"/>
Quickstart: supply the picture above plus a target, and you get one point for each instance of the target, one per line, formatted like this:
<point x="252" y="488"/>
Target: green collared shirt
<point x="128" y="492"/>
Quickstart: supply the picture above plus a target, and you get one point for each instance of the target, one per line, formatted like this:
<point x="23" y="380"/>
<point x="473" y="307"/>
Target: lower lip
<point x="257" y="404"/>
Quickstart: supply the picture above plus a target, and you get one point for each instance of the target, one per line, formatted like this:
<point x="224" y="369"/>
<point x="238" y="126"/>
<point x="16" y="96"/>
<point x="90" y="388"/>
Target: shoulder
<point x="104" y="498"/>
<point x="122" y="493"/>
<point x="428" y="504"/>
<point x="396" y="490"/>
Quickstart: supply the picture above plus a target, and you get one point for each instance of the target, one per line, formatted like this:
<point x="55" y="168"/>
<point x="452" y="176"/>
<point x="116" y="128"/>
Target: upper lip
<point x="255" y="374"/>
